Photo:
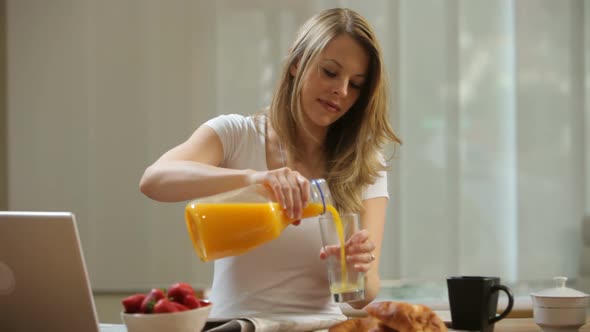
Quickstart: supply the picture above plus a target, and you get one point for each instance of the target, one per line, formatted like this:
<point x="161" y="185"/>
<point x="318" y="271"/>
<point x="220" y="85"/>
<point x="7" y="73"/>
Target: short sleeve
<point x="231" y="129"/>
<point x="377" y="189"/>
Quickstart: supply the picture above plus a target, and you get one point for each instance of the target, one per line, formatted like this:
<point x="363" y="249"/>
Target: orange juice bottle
<point x="232" y="223"/>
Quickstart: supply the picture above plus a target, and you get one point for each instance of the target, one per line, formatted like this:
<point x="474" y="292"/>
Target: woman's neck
<point x="311" y="144"/>
<point x="310" y="159"/>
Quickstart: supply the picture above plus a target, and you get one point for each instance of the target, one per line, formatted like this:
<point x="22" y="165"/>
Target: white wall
<point x="97" y="90"/>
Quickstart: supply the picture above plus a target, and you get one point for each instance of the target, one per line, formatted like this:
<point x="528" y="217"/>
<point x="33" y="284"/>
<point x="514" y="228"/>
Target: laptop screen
<point x="44" y="284"/>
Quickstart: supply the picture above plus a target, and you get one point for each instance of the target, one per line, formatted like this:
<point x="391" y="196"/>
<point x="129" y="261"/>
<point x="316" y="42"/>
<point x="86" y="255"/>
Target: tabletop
<point x="505" y="325"/>
<point x="526" y="325"/>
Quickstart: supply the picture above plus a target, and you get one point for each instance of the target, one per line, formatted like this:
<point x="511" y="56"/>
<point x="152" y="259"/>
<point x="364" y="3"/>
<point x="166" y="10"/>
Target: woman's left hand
<point x="358" y="249"/>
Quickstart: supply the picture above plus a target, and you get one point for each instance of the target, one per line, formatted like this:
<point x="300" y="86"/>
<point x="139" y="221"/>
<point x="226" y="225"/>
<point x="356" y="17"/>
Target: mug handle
<point x="506" y="311"/>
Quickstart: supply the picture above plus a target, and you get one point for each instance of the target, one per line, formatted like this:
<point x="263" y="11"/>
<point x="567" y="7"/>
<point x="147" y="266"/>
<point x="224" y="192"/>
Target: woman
<point x="328" y="119"/>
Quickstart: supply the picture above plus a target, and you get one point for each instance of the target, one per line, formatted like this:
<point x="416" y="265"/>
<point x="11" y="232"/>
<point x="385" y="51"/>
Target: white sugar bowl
<point x="560" y="309"/>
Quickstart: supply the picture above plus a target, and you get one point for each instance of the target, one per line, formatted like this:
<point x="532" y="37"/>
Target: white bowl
<point x="184" y="321"/>
<point x="562" y="319"/>
<point x="560" y="308"/>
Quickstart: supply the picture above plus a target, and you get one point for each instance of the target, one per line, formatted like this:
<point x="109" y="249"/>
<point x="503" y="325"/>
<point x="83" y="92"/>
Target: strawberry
<point x="156" y="294"/>
<point x="178" y="291"/>
<point x="180" y="306"/>
<point x="132" y="303"/>
<point x="164" y="305"/>
<point x="191" y="302"/>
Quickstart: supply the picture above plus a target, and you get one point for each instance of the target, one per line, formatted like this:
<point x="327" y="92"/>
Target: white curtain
<point x="489" y="98"/>
<point x="492" y="108"/>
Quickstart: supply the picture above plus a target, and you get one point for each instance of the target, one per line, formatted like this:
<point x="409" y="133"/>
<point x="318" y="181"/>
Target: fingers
<point x="332" y="250"/>
<point x="294" y="192"/>
<point x="304" y="188"/>
<point x="290" y="195"/>
<point x="360" y="262"/>
<point x="359" y="243"/>
<point x="291" y="190"/>
<point x="359" y="251"/>
<point x="323" y="254"/>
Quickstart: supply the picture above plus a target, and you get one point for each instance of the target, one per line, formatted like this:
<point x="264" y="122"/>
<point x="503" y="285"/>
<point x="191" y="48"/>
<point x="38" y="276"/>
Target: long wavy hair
<point x="355" y="142"/>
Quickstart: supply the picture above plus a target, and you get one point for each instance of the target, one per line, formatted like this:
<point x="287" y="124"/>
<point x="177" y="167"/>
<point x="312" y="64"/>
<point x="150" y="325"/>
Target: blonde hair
<point x="354" y="142"/>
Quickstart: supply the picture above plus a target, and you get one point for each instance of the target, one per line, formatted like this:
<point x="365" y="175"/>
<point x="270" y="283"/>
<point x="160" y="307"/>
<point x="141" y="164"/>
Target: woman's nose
<point x="341" y="88"/>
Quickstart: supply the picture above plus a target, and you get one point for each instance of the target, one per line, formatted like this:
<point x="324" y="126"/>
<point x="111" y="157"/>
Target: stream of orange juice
<point x="251" y="224"/>
<point x="339" y="288"/>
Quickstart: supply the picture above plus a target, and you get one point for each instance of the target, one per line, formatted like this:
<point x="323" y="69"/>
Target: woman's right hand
<point x="290" y="188"/>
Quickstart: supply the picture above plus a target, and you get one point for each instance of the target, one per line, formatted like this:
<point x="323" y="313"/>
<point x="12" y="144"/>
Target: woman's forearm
<point x="372" y="286"/>
<point x="178" y="180"/>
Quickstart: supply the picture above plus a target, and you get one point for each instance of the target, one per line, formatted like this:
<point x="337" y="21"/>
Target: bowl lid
<point x="560" y="290"/>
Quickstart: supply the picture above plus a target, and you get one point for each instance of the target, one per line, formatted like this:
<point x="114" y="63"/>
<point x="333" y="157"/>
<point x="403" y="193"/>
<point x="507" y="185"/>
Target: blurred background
<point x="490" y="99"/>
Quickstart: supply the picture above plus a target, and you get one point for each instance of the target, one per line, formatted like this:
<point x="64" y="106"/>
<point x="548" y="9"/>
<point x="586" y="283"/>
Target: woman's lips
<point x="330" y="106"/>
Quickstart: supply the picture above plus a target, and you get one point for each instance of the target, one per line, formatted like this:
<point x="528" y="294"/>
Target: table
<point x="505" y="325"/>
<point x="526" y="325"/>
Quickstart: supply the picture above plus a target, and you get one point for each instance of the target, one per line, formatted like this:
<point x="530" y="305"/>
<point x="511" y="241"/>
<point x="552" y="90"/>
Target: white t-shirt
<point x="284" y="276"/>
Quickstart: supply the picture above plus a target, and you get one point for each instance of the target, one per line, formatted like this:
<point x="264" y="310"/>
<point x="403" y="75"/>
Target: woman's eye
<point x="355" y="86"/>
<point x="329" y="73"/>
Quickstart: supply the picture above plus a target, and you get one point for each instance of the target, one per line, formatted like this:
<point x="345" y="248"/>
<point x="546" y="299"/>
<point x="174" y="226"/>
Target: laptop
<point x="44" y="283"/>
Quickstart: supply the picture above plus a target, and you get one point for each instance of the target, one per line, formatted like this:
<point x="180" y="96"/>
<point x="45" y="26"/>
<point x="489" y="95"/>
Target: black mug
<point x="474" y="301"/>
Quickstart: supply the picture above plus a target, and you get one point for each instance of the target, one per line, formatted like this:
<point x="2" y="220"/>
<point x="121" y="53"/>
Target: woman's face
<point x="333" y="82"/>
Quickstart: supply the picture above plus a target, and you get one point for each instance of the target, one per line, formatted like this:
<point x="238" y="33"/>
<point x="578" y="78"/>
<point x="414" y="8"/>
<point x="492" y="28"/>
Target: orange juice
<point x="234" y="222"/>
<point x="219" y="230"/>
<point x="340" y="231"/>
<point x="346" y="286"/>
<point x="227" y="229"/>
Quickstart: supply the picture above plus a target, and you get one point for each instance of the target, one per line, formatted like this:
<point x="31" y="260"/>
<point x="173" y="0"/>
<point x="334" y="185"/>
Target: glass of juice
<point x="346" y="284"/>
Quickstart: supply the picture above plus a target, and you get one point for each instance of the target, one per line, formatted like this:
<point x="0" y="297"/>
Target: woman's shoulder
<point x="232" y="118"/>
<point x="233" y="121"/>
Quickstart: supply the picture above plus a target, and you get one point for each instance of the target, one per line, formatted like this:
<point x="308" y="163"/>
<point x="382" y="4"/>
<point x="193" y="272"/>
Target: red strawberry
<point x="164" y="305"/>
<point x="178" y="291"/>
<point x="156" y="294"/>
<point x="132" y="303"/>
<point x="191" y="302"/>
<point x="180" y="306"/>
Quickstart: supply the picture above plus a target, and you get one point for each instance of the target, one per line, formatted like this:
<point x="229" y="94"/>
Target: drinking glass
<point x="346" y="284"/>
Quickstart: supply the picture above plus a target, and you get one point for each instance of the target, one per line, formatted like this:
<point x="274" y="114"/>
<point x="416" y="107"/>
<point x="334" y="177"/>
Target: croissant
<point x="391" y="316"/>
<point x="367" y="324"/>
